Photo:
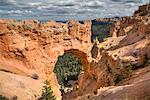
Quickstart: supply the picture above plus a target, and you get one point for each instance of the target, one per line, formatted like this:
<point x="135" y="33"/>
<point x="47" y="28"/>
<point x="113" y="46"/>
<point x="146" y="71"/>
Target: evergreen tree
<point x="67" y="68"/>
<point x="47" y="93"/>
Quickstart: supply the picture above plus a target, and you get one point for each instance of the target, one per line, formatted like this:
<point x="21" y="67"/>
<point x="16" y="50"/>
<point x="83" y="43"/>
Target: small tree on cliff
<point x="47" y="93"/>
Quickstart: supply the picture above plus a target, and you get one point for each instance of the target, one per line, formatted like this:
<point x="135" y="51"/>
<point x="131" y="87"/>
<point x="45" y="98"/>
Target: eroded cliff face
<point x="135" y="30"/>
<point x="31" y="48"/>
<point x="136" y="88"/>
<point x="29" y="51"/>
<point x="104" y="71"/>
<point x="125" y="61"/>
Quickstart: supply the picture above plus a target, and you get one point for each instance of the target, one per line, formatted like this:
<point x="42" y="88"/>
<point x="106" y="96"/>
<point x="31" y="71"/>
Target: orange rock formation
<point x="30" y="49"/>
<point x="128" y="56"/>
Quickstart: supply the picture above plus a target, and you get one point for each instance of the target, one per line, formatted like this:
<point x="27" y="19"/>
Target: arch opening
<point x="67" y="69"/>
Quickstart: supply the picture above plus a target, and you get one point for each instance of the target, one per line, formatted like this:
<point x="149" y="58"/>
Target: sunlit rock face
<point x="128" y="47"/>
<point x="29" y="47"/>
<point x="134" y="31"/>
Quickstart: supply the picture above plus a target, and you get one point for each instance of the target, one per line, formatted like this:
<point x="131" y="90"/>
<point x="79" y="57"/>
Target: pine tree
<point x="47" y="93"/>
<point x="67" y="68"/>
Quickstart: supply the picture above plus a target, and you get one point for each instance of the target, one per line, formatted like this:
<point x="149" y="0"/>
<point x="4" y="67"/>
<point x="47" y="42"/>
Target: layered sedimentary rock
<point x="134" y="47"/>
<point x="31" y="48"/>
<point x="129" y="48"/>
<point x="104" y="71"/>
<point x="135" y="89"/>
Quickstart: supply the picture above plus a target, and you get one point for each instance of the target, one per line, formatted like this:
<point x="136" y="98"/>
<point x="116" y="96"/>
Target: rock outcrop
<point x="31" y="48"/>
<point x="104" y="71"/>
<point x="29" y="51"/>
<point x="19" y="87"/>
<point x="135" y="89"/>
<point x="129" y="48"/>
<point x="134" y="46"/>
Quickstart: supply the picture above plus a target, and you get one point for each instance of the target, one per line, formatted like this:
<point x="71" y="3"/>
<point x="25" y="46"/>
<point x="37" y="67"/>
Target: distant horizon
<point x="61" y="10"/>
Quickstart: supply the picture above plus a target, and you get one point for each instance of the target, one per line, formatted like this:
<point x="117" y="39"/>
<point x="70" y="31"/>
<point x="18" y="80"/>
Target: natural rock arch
<point x="31" y="48"/>
<point x="82" y="58"/>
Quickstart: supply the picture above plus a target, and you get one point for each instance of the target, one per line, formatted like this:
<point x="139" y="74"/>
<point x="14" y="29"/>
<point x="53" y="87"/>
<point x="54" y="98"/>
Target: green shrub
<point x="14" y="98"/>
<point x="3" y="98"/>
<point x="27" y="27"/>
<point x="35" y="76"/>
<point x="118" y="79"/>
<point x="130" y="68"/>
<point x="47" y="93"/>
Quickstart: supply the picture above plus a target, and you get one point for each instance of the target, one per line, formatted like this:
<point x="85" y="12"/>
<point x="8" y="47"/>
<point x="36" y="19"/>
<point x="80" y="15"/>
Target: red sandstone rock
<point x="129" y="45"/>
<point x="135" y="88"/>
<point x="24" y="88"/>
<point x="29" y="47"/>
